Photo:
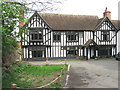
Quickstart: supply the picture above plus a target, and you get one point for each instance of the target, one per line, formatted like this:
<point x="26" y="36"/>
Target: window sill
<point x="72" y="41"/>
<point x="36" y="40"/>
<point x="104" y="40"/>
<point x="56" y="41"/>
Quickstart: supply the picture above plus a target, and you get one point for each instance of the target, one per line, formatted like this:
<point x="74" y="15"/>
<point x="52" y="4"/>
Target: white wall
<point x="118" y="42"/>
<point x="87" y="35"/>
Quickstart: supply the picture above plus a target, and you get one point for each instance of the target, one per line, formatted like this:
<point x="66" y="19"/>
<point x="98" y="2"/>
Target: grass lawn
<point x="29" y="76"/>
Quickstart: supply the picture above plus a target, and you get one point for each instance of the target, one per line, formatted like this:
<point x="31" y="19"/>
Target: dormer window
<point x="105" y="35"/>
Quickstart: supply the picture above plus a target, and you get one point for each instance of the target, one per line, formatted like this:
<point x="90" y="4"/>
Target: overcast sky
<point x="90" y="7"/>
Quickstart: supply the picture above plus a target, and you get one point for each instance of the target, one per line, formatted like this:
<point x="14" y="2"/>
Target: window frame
<point x="37" y="53"/>
<point x="56" y="37"/>
<point x="105" y="35"/>
<point x="38" y="33"/>
<point x="73" y="37"/>
<point x="74" y="49"/>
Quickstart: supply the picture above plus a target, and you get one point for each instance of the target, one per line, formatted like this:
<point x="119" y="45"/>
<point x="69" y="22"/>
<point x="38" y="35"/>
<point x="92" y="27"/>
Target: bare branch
<point x="42" y="5"/>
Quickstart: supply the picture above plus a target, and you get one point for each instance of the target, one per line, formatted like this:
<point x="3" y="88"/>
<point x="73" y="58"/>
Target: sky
<point x="86" y="7"/>
<point x="89" y="7"/>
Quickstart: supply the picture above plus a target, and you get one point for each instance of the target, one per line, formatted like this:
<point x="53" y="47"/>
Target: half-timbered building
<point x="63" y="36"/>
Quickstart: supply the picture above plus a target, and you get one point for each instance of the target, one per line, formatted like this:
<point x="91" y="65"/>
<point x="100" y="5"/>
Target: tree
<point x="40" y="5"/>
<point x="11" y="15"/>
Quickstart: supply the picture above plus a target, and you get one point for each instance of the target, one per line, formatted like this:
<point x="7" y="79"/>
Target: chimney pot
<point x="107" y="14"/>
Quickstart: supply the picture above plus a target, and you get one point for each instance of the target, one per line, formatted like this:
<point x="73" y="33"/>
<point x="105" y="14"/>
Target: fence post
<point x="65" y="61"/>
<point x="13" y="86"/>
<point x="46" y="61"/>
<point x="58" y="80"/>
<point x="62" y="71"/>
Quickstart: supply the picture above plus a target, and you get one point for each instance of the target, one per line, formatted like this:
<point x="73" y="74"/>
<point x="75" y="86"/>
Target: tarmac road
<point x="93" y="74"/>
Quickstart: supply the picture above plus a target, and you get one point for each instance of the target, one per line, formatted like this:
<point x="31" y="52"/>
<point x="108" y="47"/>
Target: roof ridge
<point x="70" y="21"/>
<point x="66" y="14"/>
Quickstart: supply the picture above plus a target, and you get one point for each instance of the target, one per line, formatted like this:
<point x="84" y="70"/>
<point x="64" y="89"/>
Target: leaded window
<point x="36" y="36"/>
<point x="37" y="53"/>
<point x="72" y="51"/>
<point x="56" y="37"/>
<point x="72" y="37"/>
<point x="105" y="35"/>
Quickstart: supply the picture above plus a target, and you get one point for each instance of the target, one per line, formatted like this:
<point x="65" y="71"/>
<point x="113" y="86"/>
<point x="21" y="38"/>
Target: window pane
<point x="40" y="36"/>
<point x="54" y="37"/>
<point x="36" y="36"/>
<point x="73" y="37"/>
<point x="72" y="51"/>
<point x="33" y="53"/>
<point x="39" y="53"/>
<point x="69" y="37"/>
<point x="105" y="35"/>
<point x="58" y="37"/>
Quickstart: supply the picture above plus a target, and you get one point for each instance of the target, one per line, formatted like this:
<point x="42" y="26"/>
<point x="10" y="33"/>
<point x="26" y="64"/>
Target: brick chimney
<point x="107" y="14"/>
<point x="21" y="14"/>
<point x="21" y="24"/>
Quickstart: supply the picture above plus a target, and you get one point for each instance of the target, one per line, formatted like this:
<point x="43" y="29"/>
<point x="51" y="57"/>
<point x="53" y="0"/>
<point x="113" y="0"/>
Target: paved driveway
<point x="91" y="73"/>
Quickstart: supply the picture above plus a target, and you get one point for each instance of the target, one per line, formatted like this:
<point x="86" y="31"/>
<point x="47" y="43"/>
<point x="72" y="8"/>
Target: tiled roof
<point x="70" y="22"/>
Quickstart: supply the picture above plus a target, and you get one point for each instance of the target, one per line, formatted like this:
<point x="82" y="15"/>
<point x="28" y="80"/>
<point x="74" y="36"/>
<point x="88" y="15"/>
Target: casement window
<point x="37" y="53"/>
<point x="36" y="36"/>
<point x="72" y="37"/>
<point x="72" y="51"/>
<point x="107" y="51"/>
<point x="105" y="35"/>
<point x="56" y="37"/>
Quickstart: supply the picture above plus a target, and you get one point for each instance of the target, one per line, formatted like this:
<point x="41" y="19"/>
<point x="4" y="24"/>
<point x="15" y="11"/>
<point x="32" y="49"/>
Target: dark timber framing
<point x="45" y="42"/>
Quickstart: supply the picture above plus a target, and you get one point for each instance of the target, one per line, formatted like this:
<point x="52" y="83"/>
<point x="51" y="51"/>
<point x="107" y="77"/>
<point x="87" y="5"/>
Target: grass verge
<point x="29" y="76"/>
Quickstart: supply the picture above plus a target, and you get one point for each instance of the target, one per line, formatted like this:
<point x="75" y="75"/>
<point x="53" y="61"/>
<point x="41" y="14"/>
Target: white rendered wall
<point x="87" y="35"/>
<point x="118" y="42"/>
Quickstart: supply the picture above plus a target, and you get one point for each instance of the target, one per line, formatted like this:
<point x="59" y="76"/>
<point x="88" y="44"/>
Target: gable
<point x="106" y="24"/>
<point x="35" y="21"/>
<point x="90" y="42"/>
